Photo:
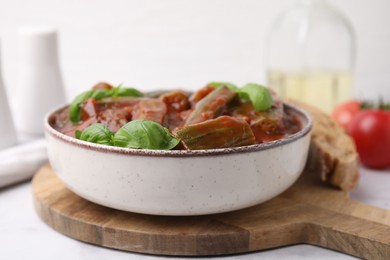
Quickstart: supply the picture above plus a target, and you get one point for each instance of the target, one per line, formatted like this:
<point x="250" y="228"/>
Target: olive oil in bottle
<point x="321" y="88"/>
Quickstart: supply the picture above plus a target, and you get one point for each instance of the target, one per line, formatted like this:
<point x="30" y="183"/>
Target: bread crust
<point x="332" y="151"/>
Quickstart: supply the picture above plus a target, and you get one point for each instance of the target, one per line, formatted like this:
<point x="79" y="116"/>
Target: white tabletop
<point x="24" y="236"/>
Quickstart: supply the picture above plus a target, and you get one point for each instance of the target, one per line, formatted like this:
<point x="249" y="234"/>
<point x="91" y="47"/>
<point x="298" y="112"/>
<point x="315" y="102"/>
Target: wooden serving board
<point x="309" y="212"/>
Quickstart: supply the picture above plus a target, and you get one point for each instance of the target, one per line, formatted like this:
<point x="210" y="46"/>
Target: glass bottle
<point x="310" y="55"/>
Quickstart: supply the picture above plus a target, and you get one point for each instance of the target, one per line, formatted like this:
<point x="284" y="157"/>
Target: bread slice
<point x="332" y="151"/>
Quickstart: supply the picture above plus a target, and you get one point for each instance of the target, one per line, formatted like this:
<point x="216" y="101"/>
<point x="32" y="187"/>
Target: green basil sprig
<point x="119" y="91"/>
<point x="140" y="134"/>
<point x="96" y="133"/>
<point x="74" y="108"/>
<point x="259" y="95"/>
<point x="145" y="134"/>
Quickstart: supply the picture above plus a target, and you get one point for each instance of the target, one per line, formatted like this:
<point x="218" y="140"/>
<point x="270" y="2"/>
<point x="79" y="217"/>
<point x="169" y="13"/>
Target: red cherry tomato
<point x="370" y="130"/>
<point x="344" y="113"/>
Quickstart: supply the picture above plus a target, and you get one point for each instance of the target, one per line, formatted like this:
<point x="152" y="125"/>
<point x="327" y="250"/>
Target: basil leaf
<point x="78" y="134"/>
<point x="120" y="91"/>
<point x="221" y="84"/>
<point x="96" y="133"/>
<point x="259" y="96"/>
<point x="113" y="92"/>
<point x="127" y="92"/>
<point x="145" y="134"/>
<point x="74" y="108"/>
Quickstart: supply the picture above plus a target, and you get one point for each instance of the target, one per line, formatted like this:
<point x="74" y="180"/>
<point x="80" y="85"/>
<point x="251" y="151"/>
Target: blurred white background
<point x="152" y="44"/>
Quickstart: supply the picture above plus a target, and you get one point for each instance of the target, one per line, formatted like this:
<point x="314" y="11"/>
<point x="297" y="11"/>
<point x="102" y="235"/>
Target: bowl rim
<point x="306" y="119"/>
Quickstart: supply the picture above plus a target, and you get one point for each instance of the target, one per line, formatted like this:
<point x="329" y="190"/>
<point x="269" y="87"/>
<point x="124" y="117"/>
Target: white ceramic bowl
<point x="179" y="182"/>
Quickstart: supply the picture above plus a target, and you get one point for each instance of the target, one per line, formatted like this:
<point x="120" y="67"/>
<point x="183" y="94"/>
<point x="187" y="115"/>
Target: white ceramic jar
<point x="7" y="130"/>
<point x="40" y="85"/>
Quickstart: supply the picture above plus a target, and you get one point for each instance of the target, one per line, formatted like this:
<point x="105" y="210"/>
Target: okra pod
<point x="222" y="132"/>
<point x="211" y="106"/>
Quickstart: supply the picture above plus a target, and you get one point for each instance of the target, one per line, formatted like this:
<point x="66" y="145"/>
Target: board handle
<point x="352" y="235"/>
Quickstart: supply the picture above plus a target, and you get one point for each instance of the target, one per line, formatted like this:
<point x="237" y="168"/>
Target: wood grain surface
<point x="309" y="212"/>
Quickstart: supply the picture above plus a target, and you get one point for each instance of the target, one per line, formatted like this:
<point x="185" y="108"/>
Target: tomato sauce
<point x="179" y="111"/>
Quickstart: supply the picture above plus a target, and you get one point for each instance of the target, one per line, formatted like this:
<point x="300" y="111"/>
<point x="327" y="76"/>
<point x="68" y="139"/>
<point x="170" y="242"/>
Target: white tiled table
<point x="24" y="236"/>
